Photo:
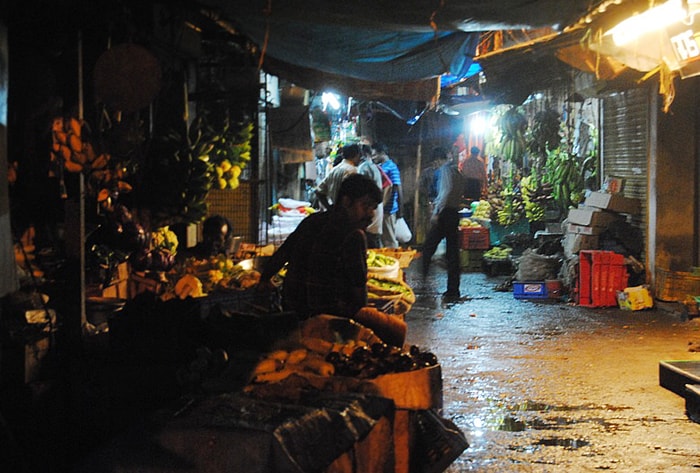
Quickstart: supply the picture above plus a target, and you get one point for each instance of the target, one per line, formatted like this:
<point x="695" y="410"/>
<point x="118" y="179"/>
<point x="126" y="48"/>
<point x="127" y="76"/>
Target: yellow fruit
<point x="267" y="365"/>
<point x="102" y="195"/>
<point x="219" y="171"/>
<point x="75" y="143"/>
<point x="66" y="153"/>
<point x="297" y="356"/>
<point x="72" y="166"/>
<point x="61" y="137"/>
<point x="233" y="183"/>
<point x="79" y="157"/>
<point x="89" y="151"/>
<point x="100" y="161"/>
<point x="74" y="126"/>
<point x="222" y="183"/>
<point x="57" y="125"/>
<point x="225" y="165"/>
<point x="235" y="170"/>
<point x="188" y="286"/>
<point x="124" y="186"/>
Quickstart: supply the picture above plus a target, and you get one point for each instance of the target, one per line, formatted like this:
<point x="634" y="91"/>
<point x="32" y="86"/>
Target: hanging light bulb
<point x="651" y="20"/>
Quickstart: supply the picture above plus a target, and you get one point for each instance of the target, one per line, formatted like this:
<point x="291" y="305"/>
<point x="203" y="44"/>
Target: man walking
<point x="444" y="223"/>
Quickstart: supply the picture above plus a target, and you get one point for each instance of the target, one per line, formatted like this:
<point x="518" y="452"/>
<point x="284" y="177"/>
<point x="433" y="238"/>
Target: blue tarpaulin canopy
<point x="381" y="47"/>
<point x="364" y="53"/>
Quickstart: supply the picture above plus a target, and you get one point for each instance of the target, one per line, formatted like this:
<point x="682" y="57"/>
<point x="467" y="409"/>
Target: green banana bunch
<point x="564" y="173"/>
<point x="513" y="145"/>
<point x="534" y="211"/>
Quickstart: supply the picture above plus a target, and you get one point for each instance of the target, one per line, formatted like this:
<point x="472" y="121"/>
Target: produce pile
<point x="379" y="260"/>
<point x="498" y="253"/>
<point x="468" y="222"/>
<point x="482" y="210"/>
<point x="387" y="288"/>
<point x="359" y="354"/>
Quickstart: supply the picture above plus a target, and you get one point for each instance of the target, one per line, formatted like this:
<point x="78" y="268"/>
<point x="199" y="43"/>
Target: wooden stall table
<point x="332" y="433"/>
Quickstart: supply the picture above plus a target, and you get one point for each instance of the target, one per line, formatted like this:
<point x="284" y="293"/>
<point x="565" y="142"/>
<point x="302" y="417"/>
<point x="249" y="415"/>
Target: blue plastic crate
<point x="530" y="290"/>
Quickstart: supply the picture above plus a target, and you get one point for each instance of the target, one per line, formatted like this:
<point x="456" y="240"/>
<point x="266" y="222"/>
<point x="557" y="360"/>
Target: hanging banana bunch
<point x="512" y="210"/>
<point x="544" y="136"/>
<point x="71" y="150"/>
<point x="565" y="175"/>
<point x="534" y="198"/>
<point x="513" y="146"/>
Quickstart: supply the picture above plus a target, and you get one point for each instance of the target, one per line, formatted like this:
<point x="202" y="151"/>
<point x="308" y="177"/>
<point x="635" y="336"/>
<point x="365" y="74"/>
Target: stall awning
<point x="382" y="48"/>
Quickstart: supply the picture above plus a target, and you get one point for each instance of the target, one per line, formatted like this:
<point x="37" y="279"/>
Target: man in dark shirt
<point x="326" y="259"/>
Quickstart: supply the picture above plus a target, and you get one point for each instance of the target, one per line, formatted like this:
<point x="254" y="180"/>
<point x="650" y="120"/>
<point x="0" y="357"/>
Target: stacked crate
<point x="473" y="242"/>
<point x="601" y="275"/>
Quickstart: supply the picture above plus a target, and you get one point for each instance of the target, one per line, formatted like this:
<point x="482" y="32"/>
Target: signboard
<point x="684" y="39"/>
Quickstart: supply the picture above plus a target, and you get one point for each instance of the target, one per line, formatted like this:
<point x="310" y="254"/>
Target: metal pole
<point x="81" y="197"/>
<point x="416" y="187"/>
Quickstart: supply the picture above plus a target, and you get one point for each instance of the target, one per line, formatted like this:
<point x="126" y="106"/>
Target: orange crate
<point x="601" y="275"/>
<point x="474" y="238"/>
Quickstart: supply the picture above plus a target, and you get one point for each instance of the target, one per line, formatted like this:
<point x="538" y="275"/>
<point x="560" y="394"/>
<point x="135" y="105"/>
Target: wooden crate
<point x="417" y="389"/>
<point x="676" y="286"/>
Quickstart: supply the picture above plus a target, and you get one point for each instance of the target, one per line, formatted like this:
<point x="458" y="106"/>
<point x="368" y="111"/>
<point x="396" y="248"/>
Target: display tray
<point x="675" y="375"/>
<point x="692" y="402"/>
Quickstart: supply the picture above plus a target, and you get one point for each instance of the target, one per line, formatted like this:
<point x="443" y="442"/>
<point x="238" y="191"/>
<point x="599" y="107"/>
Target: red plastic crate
<point x="474" y="238"/>
<point x="601" y="275"/>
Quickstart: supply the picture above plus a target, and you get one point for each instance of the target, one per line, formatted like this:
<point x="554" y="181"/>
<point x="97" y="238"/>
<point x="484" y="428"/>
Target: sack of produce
<point x="384" y="265"/>
<point x="382" y="287"/>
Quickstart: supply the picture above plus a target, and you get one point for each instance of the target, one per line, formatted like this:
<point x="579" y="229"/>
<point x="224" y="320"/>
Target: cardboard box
<point x="575" y="242"/>
<point x="592" y="217"/>
<point x="635" y="298"/>
<point x="613" y="202"/>
<point x="583" y="229"/>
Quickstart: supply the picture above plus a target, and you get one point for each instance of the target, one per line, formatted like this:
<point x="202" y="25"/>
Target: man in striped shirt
<point x="393" y="200"/>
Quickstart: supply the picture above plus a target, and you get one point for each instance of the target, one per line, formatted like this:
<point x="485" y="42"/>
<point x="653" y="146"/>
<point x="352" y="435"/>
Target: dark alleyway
<point x="553" y="387"/>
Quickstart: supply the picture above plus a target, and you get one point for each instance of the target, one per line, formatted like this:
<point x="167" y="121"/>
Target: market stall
<point x="242" y="385"/>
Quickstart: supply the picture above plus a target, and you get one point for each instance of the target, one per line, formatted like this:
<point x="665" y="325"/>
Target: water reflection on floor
<point x="547" y="386"/>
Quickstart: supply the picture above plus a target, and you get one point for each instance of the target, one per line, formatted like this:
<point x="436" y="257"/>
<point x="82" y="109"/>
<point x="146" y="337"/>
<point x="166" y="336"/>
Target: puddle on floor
<point x="521" y="417"/>
<point x="569" y="444"/>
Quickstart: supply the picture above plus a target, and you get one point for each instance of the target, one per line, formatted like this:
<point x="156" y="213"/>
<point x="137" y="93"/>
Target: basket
<point x="404" y="256"/>
<point x="675" y="286"/>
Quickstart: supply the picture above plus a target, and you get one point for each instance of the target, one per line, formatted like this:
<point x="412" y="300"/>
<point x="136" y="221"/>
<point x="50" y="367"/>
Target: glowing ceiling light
<point x="478" y="125"/>
<point x="651" y="20"/>
<point x="329" y="98"/>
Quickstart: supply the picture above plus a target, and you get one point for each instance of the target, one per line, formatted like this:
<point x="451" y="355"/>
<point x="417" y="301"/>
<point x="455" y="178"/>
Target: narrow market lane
<point x="549" y="386"/>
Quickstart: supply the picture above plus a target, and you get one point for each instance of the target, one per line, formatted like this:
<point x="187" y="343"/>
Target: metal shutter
<point x="625" y="144"/>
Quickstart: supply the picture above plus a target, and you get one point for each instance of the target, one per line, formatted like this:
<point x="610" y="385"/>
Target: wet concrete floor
<point x="541" y="386"/>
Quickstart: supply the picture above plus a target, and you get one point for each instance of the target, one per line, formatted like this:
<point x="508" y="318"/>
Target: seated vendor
<point x="326" y="259"/>
<point x="217" y="234"/>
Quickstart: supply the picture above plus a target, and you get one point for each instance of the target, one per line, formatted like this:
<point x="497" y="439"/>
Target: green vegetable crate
<point x="470" y="260"/>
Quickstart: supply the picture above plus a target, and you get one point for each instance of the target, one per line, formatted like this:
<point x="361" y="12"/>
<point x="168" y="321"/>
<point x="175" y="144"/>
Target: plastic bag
<point x="403" y="233"/>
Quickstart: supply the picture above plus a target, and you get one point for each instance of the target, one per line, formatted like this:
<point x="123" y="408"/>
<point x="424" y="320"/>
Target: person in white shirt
<point x="371" y="169"/>
<point x="327" y="190"/>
